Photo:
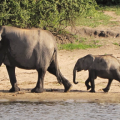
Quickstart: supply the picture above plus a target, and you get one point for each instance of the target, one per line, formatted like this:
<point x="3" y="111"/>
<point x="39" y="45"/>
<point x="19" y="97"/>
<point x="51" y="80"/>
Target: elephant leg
<point x="40" y="83"/>
<point x="87" y="84"/>
<point x="92" y="76"/>
<point x="13" y="81"/>
<point x="53" y="70"/>
<point x="92" y="85"/>
<point x="67" y="85"/>
<point x="108" y="85"/>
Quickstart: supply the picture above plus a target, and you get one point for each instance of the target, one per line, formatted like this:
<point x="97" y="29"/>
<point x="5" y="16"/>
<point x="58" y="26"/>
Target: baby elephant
<point x="104" y="66"/>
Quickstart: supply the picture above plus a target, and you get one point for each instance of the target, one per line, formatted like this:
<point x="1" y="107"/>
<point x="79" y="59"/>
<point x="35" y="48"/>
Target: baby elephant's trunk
<point x="74" y="76"/>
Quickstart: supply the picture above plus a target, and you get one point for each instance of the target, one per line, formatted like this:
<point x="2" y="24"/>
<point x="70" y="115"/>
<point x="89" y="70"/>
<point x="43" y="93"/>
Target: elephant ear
<point x="88" y="61"/>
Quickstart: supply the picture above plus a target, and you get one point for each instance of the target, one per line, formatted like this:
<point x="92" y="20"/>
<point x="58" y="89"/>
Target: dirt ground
<point x="53" y="91"/>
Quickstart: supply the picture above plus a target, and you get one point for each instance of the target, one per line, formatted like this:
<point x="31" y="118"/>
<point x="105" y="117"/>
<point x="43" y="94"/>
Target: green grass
<point x="99" y="18"/>
<point x="115" y="8"/>
<point x="95" y="21"/>
<point x="116" y="44"/>
<point x="72" y="46"/>
<point x="81" y="43"/>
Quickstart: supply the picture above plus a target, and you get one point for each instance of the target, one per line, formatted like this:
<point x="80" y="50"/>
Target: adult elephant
<point x="30" y="49"/>
<point x="104" y="66"/>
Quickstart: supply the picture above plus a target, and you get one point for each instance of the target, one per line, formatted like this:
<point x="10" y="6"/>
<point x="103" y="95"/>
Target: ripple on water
<point x="68" y="110"/>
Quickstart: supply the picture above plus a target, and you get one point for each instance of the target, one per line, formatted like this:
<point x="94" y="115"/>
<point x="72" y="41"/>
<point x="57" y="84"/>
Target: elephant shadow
<point x="4" y="91"/>
<point x="74" y="91"/>
<point x="28" y="90"/>
<point x="62" y="90"/>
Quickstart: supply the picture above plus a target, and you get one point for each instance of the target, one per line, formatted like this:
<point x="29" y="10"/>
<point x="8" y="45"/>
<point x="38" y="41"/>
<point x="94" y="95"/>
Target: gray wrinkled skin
<point x="104" y="66"/>
<point x="30" y="49"/>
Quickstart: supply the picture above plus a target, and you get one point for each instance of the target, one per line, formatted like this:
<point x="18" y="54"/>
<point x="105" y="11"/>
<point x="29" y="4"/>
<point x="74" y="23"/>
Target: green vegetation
<point x="116" y="44"/>
<point x="99" y="18"/>
<point x="115" y="8"/>
<point x="48" y="14"/>
<point x="94" y="21"/>
<point x="55" y="15"/>
<point x="80" y="44"/>
<point x="72" y="46"/>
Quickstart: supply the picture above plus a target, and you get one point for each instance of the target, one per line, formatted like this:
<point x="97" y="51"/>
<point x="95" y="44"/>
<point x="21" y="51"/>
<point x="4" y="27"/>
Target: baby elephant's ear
<point x="88" y="61"/>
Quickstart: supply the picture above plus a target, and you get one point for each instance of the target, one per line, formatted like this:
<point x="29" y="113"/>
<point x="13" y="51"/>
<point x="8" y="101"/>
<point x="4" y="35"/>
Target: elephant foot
<point x="93" y="91"/>
<point x="88" y="87"/>
<point x="37" y="90"/>
<point x="105" y="90"/>
<point x="16" y="89"/>
<point x="67" y="87"/>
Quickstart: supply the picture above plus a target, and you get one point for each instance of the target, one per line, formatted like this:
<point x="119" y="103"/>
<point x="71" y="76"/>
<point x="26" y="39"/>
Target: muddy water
<point x="67" y="110"/>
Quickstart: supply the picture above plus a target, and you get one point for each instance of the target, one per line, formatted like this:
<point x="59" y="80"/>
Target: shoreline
<point x="84" y="96"/>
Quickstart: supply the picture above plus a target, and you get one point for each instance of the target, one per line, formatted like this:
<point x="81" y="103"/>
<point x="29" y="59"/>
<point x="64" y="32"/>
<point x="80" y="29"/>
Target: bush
<point x="48" y="14"/>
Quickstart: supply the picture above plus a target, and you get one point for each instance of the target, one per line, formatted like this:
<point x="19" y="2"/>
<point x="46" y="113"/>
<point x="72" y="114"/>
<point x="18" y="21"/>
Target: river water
<point x="65" y="110"/>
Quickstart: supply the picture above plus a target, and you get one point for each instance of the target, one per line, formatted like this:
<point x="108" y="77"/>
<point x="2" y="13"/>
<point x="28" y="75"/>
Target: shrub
<point x="48" y="14"/>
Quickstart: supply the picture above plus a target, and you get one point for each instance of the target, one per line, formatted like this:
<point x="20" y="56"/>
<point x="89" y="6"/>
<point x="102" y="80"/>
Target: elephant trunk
<point x="74" y="76"/>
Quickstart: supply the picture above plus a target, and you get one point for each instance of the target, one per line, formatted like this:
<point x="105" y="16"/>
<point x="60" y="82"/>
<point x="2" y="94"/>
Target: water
<point x="59" y="111"/>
